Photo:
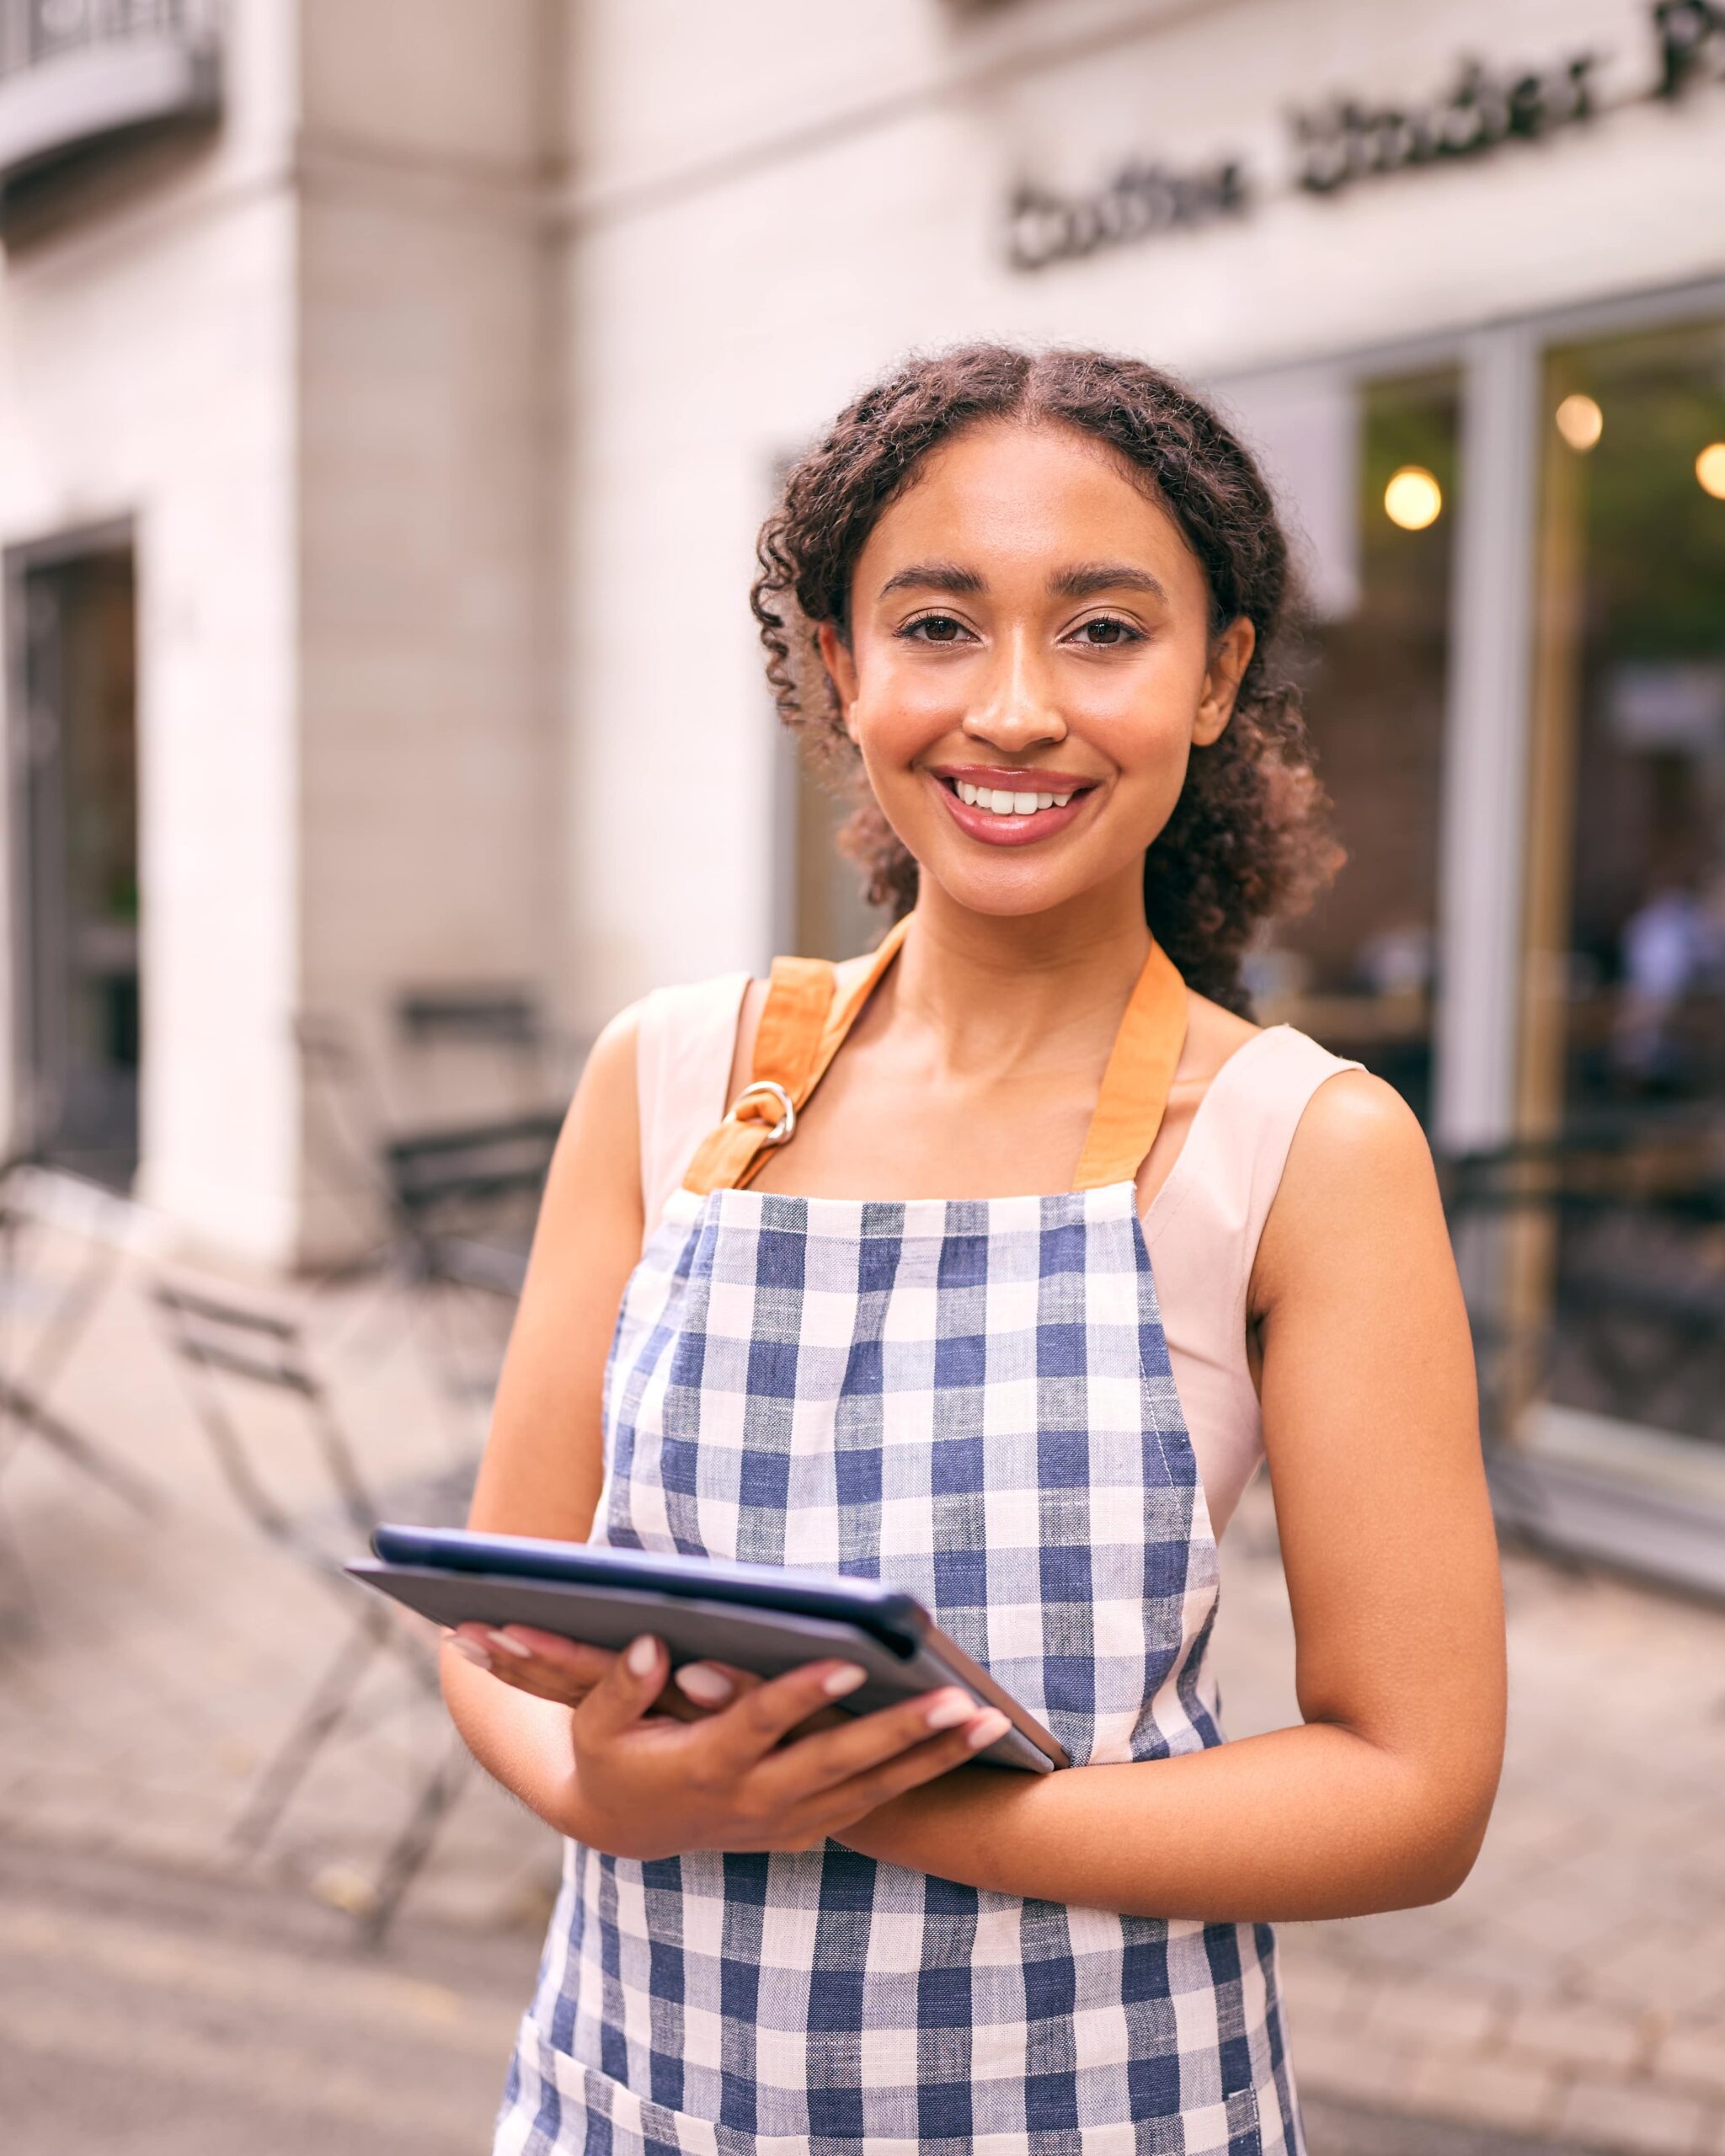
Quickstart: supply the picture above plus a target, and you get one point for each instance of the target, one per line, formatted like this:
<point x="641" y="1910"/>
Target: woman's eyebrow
<point x="934" y="576"/>
<point x="1084" y="580"/>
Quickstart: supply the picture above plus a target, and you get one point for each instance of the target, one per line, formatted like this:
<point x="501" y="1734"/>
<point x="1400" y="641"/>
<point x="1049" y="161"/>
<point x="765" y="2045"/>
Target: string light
<point x="1580" y="421"/>
<point x="1414" y="498"/>
<point x="1710" y="469"/>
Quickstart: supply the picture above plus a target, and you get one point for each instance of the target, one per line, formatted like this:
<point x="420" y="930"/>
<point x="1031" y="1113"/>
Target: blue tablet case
<point x="755" y="1617"/>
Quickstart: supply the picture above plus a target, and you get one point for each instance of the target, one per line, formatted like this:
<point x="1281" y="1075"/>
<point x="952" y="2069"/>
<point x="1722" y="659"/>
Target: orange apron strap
<point x="801" y="1028"/>
<point x="1134" y="1086"/>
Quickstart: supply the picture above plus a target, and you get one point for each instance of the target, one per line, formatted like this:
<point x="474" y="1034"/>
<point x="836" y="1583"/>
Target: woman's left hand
<point x="551" y="1667"/>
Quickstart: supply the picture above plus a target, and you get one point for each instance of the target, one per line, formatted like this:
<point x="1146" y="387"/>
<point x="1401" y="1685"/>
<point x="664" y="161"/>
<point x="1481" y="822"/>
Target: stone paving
<point x="145" y="2011"/>
<point x="1575" y="1987"/>
<point x="1573" y="1993"/>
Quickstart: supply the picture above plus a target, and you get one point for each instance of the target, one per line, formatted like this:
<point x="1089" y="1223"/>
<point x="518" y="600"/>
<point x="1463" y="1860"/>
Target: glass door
<point x="1368" y="470"/>
<point x="1617" y="1283"/>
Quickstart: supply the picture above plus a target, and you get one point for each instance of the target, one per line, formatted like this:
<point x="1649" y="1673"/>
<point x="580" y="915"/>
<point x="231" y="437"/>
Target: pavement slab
<point x="1571" y="1996"/>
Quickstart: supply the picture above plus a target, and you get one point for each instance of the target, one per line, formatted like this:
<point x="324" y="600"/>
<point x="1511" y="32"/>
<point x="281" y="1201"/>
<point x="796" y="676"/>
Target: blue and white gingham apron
<point x="973" y="1400"/>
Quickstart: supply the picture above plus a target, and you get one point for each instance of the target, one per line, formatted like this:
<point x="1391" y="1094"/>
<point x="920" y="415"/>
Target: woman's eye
<point x="1105" y="631"/>
<point x="934" y="628"/>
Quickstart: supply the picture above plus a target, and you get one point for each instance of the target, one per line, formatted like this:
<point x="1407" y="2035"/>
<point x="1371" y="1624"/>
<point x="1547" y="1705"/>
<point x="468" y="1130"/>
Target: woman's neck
<point x="1006" y="993"/>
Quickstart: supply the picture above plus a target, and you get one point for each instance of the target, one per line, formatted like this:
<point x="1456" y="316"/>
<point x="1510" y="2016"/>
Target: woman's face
<point x="1029" y="665"/>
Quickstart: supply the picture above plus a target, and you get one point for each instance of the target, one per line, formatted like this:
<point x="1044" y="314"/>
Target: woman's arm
<point x="1379" y="1800"/>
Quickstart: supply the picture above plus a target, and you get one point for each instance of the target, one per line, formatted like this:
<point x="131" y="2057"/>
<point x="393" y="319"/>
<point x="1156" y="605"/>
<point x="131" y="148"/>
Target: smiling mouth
<point x="996" y="806"/>
<point x="1020" y="796"/>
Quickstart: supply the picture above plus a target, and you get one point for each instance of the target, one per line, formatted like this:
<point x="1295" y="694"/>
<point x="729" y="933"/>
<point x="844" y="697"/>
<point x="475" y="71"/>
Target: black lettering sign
<point x="1140" y="201"/>
<point x="1346" y="140"/>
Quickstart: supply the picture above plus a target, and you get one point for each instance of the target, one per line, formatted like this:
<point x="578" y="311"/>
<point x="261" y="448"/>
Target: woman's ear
<point x="1229" y="659"/>
<point x="836" y="656"/>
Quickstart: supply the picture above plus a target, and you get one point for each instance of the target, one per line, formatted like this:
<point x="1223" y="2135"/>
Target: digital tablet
<point x="755" y="1617"/>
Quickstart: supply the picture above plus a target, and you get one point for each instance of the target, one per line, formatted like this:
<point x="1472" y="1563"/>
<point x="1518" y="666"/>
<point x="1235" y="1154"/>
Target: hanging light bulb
<point x="1414" y="498"/>
<point x="1580" y="421"/>
<point x="1710" y="469"/>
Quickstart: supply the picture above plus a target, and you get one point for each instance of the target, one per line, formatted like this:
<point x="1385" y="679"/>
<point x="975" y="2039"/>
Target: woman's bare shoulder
<point x="602" y="1129"/>
<point x="1358" y="1177"/>
<point x="609" y="1068"/>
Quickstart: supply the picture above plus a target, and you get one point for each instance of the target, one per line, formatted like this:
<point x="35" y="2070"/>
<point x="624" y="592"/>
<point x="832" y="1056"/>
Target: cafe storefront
<point x="1516" y="679"/>
<point x="1462" y="282"/>
<point x="1517" y="684"/>
<point x="1458" y="270"/>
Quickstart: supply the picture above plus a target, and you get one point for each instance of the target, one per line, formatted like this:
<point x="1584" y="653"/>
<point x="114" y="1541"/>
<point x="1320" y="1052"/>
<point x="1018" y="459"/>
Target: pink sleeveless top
<point x="1202" y="1228"/>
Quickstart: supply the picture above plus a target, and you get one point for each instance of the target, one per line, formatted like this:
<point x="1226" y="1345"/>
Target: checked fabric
<point x="971" y="1399"/>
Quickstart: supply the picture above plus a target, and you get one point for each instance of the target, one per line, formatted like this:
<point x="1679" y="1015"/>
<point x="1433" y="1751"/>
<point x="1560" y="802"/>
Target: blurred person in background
<point x="1033" y="604"/>
<point x="1671" y="944"/>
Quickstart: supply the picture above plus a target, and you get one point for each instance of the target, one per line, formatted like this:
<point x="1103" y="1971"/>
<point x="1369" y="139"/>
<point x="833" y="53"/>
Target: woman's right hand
<point x="648" y="1787"/>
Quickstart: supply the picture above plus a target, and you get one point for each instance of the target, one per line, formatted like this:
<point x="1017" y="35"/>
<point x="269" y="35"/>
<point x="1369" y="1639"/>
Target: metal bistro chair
<point x="70" y="1309"/>
<point x="1631" y="1328"/>
<point x="507" y="1022"/>
<point x="1634" y="1295"/>
<point x="458" y="1202"/>
<point x="466" y="1200"/>
<point x="227" y="1348"/>
<point x="27" y="1375"/>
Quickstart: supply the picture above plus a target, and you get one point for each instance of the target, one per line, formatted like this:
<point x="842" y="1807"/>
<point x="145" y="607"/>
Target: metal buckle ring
<point x="787" y="1120"/>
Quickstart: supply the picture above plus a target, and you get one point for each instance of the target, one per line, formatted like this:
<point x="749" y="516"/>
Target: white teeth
<point x="999" y="803"/>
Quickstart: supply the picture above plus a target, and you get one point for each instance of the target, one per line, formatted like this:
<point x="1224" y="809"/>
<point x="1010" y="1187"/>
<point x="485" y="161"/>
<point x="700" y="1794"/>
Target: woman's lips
<point x="983" y="823"/>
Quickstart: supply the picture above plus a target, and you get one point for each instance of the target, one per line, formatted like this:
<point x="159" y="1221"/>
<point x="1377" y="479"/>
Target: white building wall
<point x="446" y="460"/>
<point x="310" y="360"/>
<point x="764" y="215"/>
<point x="146" y="370"/>
<point x="427" y="743"/>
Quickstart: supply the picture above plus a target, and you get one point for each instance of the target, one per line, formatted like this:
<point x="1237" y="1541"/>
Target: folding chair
<point x="466" y="1200"/>
<point x="359" y="1124"/>
<point x="1638" y="1294"/>
<point x="27" y="1378"/>
<point x="506" y="1023"/>
<point x="458" y="1204"/>
<point x="227" y="1349"/>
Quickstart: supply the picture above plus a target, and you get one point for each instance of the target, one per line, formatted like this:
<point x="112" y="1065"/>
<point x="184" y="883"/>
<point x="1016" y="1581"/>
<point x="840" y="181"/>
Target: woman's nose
<point x="1017" y="708"/>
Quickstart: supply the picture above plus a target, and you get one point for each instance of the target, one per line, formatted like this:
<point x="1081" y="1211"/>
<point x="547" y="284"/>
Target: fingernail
<point x="950" y="1710"/>
<point x="844" y="1680"/>
<point x="706" y="1686"/>
<point x="509" y="1646"/>
<point x="469" y="1651"/>
<point x="988" y="1729"/>
<point x="641" y="1656"/>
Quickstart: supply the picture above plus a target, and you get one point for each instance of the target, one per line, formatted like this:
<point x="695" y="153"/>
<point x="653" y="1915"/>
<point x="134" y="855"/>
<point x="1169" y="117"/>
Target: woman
<point x="1034" y="601"/>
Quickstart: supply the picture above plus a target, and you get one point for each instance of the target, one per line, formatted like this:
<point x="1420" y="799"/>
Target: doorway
<point x="73" y="697"/>
<point x="1359" y="971"/>
<point x="1623" y="1035"/>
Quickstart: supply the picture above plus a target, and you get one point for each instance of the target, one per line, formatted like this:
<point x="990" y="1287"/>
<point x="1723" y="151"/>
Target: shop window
<point x="1620" y="1284"/>
<point x="1377" y="508"/>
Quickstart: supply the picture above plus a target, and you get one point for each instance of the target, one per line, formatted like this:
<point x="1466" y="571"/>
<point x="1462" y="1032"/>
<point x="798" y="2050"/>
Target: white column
<point x="1484" y="807"/>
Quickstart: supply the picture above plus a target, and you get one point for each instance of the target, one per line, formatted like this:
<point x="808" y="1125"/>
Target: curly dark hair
<point x="1248" y="839"/>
